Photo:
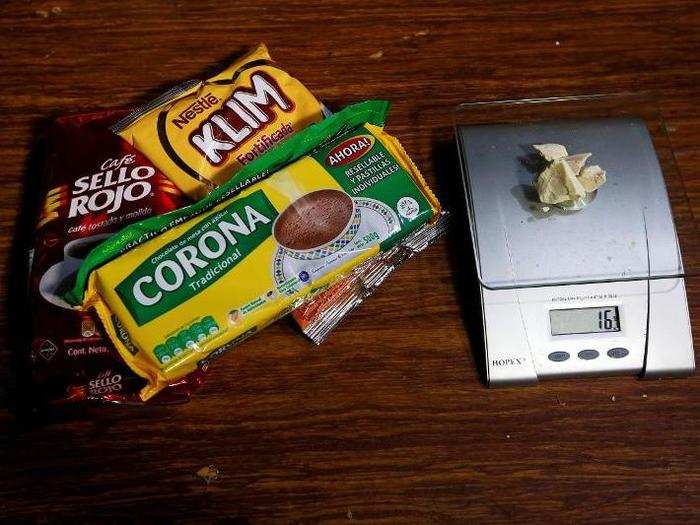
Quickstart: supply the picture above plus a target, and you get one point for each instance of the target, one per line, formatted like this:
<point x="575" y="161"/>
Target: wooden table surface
<point x="388" y="421"/>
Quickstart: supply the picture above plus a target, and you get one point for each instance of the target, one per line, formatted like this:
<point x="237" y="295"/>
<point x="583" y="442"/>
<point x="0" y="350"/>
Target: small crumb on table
<point x="208" y="474"/>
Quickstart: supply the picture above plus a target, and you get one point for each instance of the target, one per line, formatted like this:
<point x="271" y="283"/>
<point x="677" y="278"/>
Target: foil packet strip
<point x="319" y="318"/>
<point x="172" y="93"/>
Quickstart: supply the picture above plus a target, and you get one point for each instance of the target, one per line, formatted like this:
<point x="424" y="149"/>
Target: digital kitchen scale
<point x="598" y="291"/>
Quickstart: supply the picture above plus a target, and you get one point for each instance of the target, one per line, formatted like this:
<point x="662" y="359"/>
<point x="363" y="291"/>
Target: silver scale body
<point x="621" y="250"/>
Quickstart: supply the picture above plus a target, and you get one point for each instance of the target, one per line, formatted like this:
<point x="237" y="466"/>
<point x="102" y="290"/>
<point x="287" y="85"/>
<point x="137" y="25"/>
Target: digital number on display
<point x="571" y="321"/>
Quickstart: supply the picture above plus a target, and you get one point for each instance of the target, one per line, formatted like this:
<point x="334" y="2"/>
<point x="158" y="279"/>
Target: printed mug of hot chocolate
<point x="317" y="224"/>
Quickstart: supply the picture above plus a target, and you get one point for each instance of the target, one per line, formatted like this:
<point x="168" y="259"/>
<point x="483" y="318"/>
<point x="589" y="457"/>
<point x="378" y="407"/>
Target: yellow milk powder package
<point x="177" y="290"/>
<point x="203" y="131"/>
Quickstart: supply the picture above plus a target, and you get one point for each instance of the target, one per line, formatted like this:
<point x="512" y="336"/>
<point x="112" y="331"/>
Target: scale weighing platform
<point x="598" y="291"/>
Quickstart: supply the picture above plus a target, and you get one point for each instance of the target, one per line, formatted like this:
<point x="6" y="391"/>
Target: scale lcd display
<point x="570" y="321"/>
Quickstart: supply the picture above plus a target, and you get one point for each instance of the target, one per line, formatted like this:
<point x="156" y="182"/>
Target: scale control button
<point x="558" y="356"/>
<point x="588" y="354"/>
<point x="618" y="353"/>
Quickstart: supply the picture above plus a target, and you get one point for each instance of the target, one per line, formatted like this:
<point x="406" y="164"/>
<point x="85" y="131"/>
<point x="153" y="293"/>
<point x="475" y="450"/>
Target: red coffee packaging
<point x="95" y="184"/>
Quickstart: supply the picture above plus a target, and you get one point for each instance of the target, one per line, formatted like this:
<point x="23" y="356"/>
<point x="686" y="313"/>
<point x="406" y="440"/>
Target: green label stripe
<point x="182" y="343"/>
<point x="198" y="258"/>
<point x="377" y="175"/>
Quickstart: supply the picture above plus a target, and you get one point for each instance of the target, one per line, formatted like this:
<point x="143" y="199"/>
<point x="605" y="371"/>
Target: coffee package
<point x="176" y="291"/>
<point x="95" y="184"/>
<point x="200" y="133"/>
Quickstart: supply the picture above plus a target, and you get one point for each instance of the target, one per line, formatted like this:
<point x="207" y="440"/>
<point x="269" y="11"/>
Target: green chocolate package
<point x="177" y="290"/>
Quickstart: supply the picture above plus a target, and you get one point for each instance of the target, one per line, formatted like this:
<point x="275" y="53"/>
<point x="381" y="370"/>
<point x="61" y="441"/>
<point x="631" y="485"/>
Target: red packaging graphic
<point x="95" y="184"/>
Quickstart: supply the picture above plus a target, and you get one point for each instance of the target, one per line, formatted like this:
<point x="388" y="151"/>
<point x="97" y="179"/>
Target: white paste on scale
<point x="566" y="181"/>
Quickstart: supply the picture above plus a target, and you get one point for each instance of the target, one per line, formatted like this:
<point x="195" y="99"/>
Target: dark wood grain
<point x="388" y="421"/>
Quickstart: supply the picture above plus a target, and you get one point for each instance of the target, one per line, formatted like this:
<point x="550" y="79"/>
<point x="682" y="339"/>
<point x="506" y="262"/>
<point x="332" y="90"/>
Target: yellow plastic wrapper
<point x="177" y="290"/>
<point x="199" y="134"/>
